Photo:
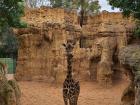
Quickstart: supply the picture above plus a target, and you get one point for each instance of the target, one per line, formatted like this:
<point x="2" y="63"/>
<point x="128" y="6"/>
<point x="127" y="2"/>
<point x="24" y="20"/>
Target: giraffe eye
<point x="136" y="86"/>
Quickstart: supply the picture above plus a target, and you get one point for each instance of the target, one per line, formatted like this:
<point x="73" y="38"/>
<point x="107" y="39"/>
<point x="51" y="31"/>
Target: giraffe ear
<point x="74" y="42"/>
<point x="64" y="45"/>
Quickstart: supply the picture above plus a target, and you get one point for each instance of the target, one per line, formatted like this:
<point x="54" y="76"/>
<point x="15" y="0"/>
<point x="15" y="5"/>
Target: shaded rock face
<point x="130" y="57"/>
<point x="105" y="35"/>
<point x="128" y="95"/>
<point x="42" y="57"/>
<point x="104" y="74"/>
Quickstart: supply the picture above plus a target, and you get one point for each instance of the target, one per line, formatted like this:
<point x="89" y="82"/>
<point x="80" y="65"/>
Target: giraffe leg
<point x="72" y="101"/>
<point x="65" y="100"/>
<point x="76" y="99"/>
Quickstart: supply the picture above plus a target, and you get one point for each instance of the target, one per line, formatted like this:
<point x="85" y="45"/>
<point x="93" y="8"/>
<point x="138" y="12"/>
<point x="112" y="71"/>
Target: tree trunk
<point x="81" y="17"/>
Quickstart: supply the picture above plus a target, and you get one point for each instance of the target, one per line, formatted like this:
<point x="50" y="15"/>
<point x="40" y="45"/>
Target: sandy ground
<point x="41" y="93"/>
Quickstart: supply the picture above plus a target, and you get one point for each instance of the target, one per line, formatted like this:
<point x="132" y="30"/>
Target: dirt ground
<point x="41" y="93"/>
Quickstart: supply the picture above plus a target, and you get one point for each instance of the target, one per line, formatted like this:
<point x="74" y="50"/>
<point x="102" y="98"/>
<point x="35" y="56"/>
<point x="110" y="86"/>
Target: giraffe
<point x="71" y="88"/>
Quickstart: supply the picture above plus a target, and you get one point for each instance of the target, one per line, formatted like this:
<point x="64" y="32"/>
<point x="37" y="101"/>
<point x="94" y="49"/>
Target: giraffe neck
<point x="69" y="65"/>
<point x="69" y="48"/>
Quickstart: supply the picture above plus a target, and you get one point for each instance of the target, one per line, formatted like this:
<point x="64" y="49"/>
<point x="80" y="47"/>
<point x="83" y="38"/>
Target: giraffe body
<point x="71" y="88"/>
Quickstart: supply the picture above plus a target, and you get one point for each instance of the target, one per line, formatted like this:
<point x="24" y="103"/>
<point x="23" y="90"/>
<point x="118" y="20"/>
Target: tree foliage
<point x="10" y="13"/>
<point x="137" y="29"/>
<point x="8" y="42"/>
<point x="129" y="7"/>
<point x="91" y="6"/>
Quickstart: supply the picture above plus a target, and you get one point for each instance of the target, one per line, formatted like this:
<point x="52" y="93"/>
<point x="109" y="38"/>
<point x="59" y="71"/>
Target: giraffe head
<point x="69" y="45"/>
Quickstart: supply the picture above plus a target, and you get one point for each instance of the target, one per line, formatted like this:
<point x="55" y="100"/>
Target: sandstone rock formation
<point x="41" y="55"/>
<point x="106" y="34"/>
<point x="130" y="58"/>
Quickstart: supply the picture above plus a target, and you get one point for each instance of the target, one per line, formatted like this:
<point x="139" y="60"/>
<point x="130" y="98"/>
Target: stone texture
<point x="104" y="74"/>
<point x="15" y="86"/>
<point x="9" y="91"/>
<point x="41" y="55"/>
<point x="130" y="55"/>
<point x="106" y="33"/>
<point x="128" y="95"/>
<point x="130" y="58"/>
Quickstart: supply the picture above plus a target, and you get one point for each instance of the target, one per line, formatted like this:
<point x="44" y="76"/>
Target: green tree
<point x="10" y="13"/>
<point x="86" y="7"/>
<point x="8" y="43"/>
<point x="129" y="7"/>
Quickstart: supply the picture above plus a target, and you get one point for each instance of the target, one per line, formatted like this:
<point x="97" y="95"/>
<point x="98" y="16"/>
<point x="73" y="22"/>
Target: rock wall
<point x="129" y="57"/>
<point x="41" y="55"/>
<point x="108" y="32"/>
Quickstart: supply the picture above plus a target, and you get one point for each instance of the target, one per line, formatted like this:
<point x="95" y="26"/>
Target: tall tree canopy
<point x="10" y="13"/>
<point x="129" y="7"/>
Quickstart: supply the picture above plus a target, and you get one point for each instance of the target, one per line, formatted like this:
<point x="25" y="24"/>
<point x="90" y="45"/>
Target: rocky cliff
<point x="130" y="59"/>
<point x="41" y="55"/>
<point x="109" y="32"/>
